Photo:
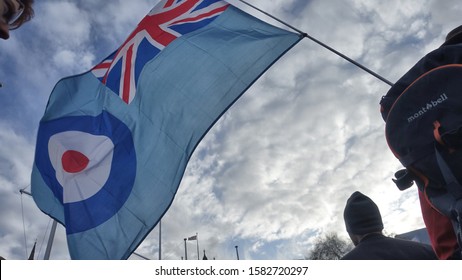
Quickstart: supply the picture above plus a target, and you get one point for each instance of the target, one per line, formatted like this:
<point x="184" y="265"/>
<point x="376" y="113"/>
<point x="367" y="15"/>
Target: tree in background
<point x="330" y="247"/>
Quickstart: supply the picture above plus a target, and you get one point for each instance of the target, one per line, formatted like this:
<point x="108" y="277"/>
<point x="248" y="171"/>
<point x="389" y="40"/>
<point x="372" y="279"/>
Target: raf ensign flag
<point x="114" y="142"/>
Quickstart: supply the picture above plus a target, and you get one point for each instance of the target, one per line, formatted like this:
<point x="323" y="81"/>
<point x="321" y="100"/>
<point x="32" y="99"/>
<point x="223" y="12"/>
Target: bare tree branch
<point x="330" y="247"/>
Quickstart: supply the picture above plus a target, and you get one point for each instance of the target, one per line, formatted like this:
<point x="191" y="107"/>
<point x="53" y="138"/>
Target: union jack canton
<point x="166" y="22"/>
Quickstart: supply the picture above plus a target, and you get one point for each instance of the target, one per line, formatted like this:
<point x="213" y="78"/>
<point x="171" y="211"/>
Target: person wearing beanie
<point x="364" y="225"/>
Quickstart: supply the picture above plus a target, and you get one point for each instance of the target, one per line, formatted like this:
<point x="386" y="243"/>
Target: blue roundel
<point x="89" y="163"/>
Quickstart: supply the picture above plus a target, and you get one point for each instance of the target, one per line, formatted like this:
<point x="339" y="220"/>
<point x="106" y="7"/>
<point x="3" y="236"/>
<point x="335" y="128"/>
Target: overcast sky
<point x="275" y="171"/>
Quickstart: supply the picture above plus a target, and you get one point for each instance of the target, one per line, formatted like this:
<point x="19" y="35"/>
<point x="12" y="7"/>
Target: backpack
<point x="423" y="116"/>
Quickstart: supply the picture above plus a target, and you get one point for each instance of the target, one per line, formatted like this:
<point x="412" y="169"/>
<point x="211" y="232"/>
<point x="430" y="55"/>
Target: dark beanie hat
<point x="362" y="215"/>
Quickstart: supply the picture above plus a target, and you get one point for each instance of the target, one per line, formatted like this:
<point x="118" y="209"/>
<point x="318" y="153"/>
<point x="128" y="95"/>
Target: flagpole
<point x="350" y="60"/>
<point x="139" y="255"/>
<point x="52" y="231"/>
<point x="160" y="239"/>
<point x="185" y="250"/>
<point x="304" y="34"/>
<point x="197" y="243"/>
<point x="50" y="240"/>
<point x="273" y="17"/>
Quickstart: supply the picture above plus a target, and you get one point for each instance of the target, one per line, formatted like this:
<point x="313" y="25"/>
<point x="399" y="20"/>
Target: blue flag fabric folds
<point x="114" y="142"/>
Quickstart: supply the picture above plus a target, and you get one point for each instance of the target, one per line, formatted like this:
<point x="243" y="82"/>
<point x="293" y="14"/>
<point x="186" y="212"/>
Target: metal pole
<point x="160" y="239"/>
<point x="197" y="243"/>
<point x="26" y="192"/>
<point x="141" y="256"/>
<point x="52" y="232"/>
<point x="185" y="250"/>
<point x="237" y="252"/>
<point x="350" y="60"/>
<point x="50" y="240"/>
<point x="273" y="17"/>
<point x="322" y="44"/>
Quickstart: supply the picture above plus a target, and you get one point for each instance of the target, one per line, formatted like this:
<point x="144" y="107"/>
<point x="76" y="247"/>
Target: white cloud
<point x="64" y="23"/>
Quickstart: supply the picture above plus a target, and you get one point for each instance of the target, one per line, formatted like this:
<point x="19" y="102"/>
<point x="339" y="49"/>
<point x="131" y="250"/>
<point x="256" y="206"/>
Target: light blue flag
<point x="114" y="142"/>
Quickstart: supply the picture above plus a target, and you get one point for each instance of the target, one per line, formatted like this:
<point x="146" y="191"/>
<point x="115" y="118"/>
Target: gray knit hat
<point x="362" y="215"/>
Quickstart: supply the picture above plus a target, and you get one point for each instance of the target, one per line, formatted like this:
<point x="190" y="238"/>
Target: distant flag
<point x="114" y="142"/>
<point x="194" y="237"/>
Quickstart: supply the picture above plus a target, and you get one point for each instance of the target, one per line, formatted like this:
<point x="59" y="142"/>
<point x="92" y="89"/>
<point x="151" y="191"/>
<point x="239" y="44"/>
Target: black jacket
<point x="380" y="247"/>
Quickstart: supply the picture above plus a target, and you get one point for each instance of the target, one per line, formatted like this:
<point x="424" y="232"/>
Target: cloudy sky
<point x="274" y="173"/>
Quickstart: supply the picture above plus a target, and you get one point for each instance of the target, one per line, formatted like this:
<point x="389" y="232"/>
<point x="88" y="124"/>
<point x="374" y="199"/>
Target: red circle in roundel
<point x="74" y="161"/>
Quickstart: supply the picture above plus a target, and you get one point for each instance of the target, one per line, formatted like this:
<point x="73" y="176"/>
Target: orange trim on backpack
<point x="438" y="138"/>
<point x="436" y="132"/>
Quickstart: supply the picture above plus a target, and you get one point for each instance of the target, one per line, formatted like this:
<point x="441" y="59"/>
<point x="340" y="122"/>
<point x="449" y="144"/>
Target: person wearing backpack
<point x="364" y="225"/>
<point x="422" y="111"/>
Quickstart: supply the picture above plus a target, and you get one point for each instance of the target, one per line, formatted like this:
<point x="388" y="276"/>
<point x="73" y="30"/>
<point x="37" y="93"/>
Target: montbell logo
<point x="430" y="105"/>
